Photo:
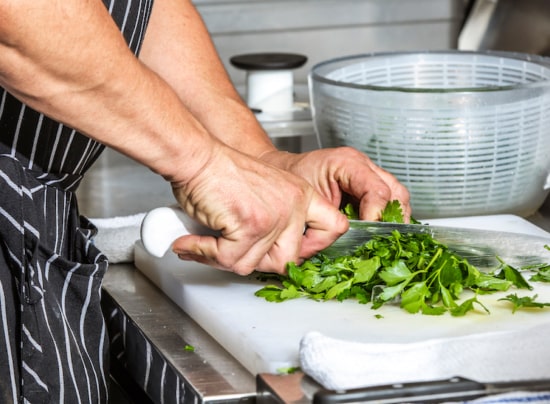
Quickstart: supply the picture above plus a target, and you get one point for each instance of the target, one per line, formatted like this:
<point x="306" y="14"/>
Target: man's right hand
<point x="261" y="212"/>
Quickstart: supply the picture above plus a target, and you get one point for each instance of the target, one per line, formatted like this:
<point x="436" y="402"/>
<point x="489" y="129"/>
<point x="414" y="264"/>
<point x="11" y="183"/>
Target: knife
<point x="161" y="226"/>
<point x="479" y="247"/>
<point x="456" y="389"/>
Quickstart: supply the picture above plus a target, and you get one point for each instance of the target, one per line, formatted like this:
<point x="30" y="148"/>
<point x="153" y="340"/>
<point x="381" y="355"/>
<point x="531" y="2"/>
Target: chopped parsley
<point x="415" y="271"/>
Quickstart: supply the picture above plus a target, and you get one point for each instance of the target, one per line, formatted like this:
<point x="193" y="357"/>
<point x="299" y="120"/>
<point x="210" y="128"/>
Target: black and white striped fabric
<point x="53" y="342"/>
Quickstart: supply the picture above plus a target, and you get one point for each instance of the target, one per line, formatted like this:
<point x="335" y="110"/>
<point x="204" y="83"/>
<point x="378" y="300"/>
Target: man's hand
<point x="344" y="170"/>
<point x="261" y="212"/>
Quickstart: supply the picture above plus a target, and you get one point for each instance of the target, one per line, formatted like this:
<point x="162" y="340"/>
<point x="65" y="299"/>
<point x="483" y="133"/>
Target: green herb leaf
<point x="365" y="269"/>
<point x="271" y="293"/>
<point x="393" y="212"/>
<point x="412" y="270"/>
<point x="447" y="298"/>
<point x="524" y="302"/>
<point x="467" y="306"/>
<point x="491" y="283"/>
<point x="390" y="292"/>
<point x="513" y="275"/>
<point x="542" y="274"/>
<point x="288" y="371"/>
<point x="433" y="310"/>
<point x="350" y="212"/>
<point x="290" y="292"/>
<point x="395" y="273"/>
<point x="414" y="298"/>
<point x="338" y="289"/>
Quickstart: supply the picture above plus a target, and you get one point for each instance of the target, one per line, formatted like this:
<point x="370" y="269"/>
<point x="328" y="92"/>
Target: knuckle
<point x="350" y="151"/>
<point x="382" y="191"/>
<point x="243" y="271"/>
<point x="236" y="266"/>
<point x="260" y="220"/>
<point x="341" y="224"/>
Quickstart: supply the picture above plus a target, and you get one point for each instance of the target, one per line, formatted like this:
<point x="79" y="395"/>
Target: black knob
<point x="268" y="61"/>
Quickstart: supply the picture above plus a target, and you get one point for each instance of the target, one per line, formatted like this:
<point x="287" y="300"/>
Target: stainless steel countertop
<point x="210" y="370"/>
<point x="117" y="186"/>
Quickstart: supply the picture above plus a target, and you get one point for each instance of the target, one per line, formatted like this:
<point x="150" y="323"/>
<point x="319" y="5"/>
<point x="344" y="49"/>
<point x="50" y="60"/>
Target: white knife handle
<point x="162" y="226"/>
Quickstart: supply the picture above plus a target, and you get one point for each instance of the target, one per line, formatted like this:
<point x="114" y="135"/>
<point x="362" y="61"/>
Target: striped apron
<point x="53" y="342"/>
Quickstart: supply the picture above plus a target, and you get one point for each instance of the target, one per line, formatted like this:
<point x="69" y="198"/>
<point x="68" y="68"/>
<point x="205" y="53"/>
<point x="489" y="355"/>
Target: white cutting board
<point x="264" y="337"/>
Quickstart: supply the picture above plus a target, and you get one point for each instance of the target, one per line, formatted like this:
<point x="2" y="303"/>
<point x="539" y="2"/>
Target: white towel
<point x="485" y="357"/>
<point x="116" y="236"/>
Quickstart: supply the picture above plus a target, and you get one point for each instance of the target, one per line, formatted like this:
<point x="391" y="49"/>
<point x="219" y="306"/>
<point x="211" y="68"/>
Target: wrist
<point x="278" y="158"/>
<point x="182" y="164"/>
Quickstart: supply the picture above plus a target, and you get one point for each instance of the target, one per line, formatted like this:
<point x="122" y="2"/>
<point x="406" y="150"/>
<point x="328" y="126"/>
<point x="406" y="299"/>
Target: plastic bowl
<point x="468" y="133"/>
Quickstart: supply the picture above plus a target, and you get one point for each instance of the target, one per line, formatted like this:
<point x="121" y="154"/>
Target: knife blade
<point x="480" y="247"/>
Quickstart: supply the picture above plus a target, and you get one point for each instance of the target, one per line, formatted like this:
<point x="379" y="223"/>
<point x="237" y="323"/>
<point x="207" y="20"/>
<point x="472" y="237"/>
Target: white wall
<point x="324" y="29"/>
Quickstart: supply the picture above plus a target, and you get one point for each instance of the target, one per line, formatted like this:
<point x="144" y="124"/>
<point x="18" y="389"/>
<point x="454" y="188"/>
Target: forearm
<point x="68" y="60"/>
<point x="181" y="51"/>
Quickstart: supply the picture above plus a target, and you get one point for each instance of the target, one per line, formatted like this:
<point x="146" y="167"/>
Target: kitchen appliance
<point x="277" y="103"/>
<point x="265" y="336"/>
<point x="269" y="79"/>
<point x="467" y="132"/>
